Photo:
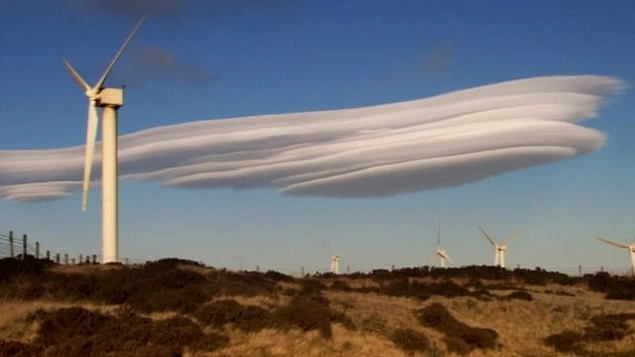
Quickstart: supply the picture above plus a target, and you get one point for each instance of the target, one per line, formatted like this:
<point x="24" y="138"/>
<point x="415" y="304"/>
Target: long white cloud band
<point x="442" y="141"/>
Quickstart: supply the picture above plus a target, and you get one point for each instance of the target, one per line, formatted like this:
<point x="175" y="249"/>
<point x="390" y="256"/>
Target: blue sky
<point x="219" y="60"/>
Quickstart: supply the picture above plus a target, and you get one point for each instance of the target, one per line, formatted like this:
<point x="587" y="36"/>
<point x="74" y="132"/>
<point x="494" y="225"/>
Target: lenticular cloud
<point x="382" y="150"/>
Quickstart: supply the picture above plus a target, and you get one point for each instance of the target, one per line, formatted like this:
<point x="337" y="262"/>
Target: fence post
<point x="24" y="246"/>
<point x="72" y="261"/>
<point x="57" y="258"/>
<point x="81" y="259"/>
<point x="48" y="255"/>
<point x="94" y="258"/>
<point x="65" y="258"/>
<point x="37" y="250"/>
<point x="11" y="254"/>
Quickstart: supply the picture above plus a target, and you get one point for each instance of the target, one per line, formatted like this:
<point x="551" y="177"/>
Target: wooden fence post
<point x="37" y="250"/>
<point x="24" y="246"/>
<point x="48" y="255"/>
<point x="11" y="253"/>
<point x="65" y="258"/>
<point x="57" y="258"/>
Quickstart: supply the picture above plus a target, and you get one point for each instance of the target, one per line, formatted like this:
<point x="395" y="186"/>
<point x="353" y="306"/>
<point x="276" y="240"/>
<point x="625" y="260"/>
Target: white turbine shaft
<point x="501" y="258"/>
<point x="109" y="190"/>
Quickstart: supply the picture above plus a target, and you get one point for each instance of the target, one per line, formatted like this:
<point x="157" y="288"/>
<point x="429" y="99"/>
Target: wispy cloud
<point x="383" y="150"/>
<point x="146" y="63"/>
<point x="436" y="62"/>
<point x="176" y="10"/>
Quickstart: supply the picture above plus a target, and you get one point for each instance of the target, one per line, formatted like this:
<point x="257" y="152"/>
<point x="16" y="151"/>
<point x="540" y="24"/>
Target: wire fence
<point x="20" y="247"/>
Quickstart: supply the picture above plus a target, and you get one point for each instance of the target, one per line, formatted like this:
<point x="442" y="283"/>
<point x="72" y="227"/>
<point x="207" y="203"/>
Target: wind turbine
<point x="335" y="261"/>
<point x="630" y="247"/>
<point x="499" y="248"/>
<point x="441" y="253"/>
<point x="110" y="100"/>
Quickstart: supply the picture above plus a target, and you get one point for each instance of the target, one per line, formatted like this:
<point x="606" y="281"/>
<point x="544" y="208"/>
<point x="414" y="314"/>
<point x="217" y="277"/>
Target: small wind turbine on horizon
<point x="110" y="100"/>
<point x="499" y="248"/>
<point x="630" y="247"/>
<point x="441" y="253"/>
<point x="335" y="261"/>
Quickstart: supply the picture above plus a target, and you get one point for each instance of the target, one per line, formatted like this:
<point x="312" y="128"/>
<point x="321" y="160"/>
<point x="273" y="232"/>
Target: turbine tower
<point x="630" y="247"/>
<point x="499" y="248"/>
<point x="335" y="264"/>
<point x="441" y="253"/>
<point x="335" y="260"/>
<point x="110" y="100"/>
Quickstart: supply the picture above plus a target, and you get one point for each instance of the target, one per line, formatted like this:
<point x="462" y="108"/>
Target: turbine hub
<point x="92" y="94"/>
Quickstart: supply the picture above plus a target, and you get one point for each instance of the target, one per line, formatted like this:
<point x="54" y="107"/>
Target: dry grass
<point x="270" y="343"/>
<point x="522" y="326"/>
<point x="14" y="325"/>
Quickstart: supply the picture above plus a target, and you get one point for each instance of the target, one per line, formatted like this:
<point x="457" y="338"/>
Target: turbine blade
<point x="91" y="137"/>
<point x="487" y="236"/>
<point x="80" y="81"/>
<point x="512" y="236"/>
<point x="617" y="244"/>
<point x="103" y="78"/>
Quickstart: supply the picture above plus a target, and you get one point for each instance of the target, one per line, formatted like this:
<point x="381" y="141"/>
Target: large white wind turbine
<point x="499" y="248"/>
<point x="630" y="247"/>
<point x="110" y="100"/>
<point x="441" y="253"/>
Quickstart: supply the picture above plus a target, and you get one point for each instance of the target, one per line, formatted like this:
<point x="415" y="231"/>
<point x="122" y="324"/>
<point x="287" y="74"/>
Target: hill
<point x="175" y="307"/>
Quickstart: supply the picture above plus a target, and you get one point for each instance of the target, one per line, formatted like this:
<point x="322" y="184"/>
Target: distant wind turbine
<point x="110" y="100"/>
<point x="335" y="261"/>
<point x="630" y="247"/>
<point x="499" y="248"/>
<point x="441" y="253"/>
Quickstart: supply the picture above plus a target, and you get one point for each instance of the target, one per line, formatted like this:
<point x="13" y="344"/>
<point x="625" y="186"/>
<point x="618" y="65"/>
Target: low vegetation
<point x="175" y="307"/>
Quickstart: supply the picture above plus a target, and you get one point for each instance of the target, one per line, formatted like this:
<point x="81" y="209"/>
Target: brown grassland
<point x="176" y="307"/>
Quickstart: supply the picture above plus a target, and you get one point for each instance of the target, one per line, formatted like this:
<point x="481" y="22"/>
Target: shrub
<point x="306" y="313"/>
<point x="410" y="340"/>
<point x="311" y="286"/>
<point x="567" y="341"/>
<point x="609" y="327"/>
<point x="436" y="316"/>
<point x="18" y="349"/>
<point x="246" y="318"/>
<point x="80" y="332"/>
<point x="340" y="285"/>
<point x="276" y="276"/>
<point x="520" y="295"/>
<point x="602" y="328"/>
